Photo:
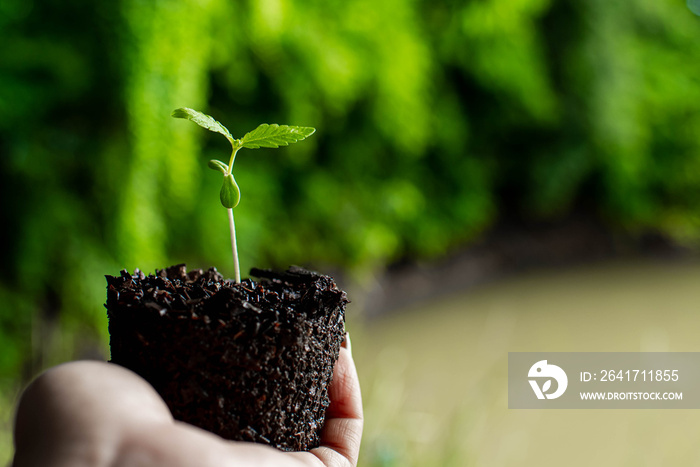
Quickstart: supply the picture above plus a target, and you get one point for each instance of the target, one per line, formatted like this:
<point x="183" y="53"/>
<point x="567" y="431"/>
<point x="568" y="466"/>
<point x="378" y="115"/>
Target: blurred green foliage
<point x="435" y="120"/>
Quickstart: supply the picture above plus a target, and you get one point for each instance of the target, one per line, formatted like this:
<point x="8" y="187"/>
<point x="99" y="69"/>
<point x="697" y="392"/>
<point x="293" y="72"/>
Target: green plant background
<point x="436" y="121"/>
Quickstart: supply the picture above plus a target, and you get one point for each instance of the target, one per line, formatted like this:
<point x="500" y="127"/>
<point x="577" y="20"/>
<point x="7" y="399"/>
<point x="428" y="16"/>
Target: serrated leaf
<point x="274" y="136"/>
<point x="203" y="120"/>
<point x="547" y="385"/>
<point x="230" y="195"/>
<point x="218" y="165"/>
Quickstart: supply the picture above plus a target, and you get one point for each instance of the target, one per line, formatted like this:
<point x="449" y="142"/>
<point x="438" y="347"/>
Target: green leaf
<point x="202" y="120"/>
<point x="230" y="195"/>
<point x="274" y="136"/>
<point x="218" y="165"/>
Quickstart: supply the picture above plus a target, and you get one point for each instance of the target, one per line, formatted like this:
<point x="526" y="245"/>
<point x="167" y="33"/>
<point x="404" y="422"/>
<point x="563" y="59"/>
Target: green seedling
<point x="264" y="136"/>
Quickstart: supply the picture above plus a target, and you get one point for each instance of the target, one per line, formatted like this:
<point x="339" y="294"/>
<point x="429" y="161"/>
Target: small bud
<point x="230" y="195"/>
<point x="218" y="165"/>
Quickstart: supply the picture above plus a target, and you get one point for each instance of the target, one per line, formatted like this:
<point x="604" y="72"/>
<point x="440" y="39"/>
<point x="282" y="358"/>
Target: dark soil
<point x="250" y="361"/>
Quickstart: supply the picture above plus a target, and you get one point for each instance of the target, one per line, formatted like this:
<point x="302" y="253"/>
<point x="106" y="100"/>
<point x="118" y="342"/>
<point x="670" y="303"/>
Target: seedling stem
<point x="264" y="136"/>
<point x="234" y="248"/>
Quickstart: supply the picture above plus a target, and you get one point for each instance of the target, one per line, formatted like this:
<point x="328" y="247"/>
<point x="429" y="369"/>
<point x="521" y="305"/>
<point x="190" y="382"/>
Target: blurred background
<point x="487" y="176"/>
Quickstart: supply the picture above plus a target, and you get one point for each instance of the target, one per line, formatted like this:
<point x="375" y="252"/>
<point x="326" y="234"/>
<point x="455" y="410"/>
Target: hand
<point x="98" y="414"/>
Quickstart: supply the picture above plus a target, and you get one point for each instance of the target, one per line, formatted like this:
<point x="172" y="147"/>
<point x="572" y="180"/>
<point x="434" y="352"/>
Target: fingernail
<point x="346" y="343"/>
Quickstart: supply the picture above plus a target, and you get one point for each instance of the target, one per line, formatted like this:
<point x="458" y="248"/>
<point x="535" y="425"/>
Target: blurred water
<point x="435" y="376"/>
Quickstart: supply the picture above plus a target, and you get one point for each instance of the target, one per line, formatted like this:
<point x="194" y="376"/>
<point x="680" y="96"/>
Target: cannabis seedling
<point x="264" y="136"/>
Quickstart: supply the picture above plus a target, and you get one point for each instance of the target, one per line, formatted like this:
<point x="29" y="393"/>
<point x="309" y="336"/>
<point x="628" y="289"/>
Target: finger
<point x="344" y="392"/>
<point x="80" y="409"/>
<point x="99" y="414"/>
<point x="342" y="432"/>
<point x="346" y="343"/>
<point x="179" y="444"/>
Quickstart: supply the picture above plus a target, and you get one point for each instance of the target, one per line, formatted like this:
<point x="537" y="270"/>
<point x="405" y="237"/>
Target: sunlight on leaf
<point x="273" y="136"/>
<point x="203" y="120"/>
